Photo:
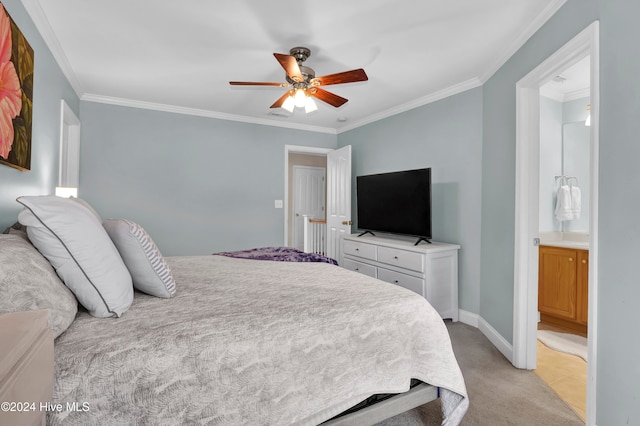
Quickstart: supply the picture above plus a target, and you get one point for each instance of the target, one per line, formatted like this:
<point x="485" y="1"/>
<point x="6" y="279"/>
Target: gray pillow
<point x="72" y="238"/>
<point x="28" y="282"/>
<point x="149" y="270"/>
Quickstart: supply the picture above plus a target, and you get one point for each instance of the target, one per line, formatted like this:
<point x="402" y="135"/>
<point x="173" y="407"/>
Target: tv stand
<point x="431" y="270"/>
<point x="422" y="239"/>
<point x="365" y="233"/>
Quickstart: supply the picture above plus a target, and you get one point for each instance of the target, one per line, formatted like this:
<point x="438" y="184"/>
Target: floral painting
<point x="16" y="94"/>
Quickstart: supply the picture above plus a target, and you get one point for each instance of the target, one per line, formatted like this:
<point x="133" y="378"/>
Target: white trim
<point x="200" y="113"/>
<point x="468" y="318"/>
<point x="496" y="339"/>
<point x="519" y="41"/>
<point x="421" y="101"/>
<point x="565" y="97"/>
<point x="289" y="149"/>
<point x="527" y="176"/>
<point x="69" y="156"/>
<point x="39" y="18"/>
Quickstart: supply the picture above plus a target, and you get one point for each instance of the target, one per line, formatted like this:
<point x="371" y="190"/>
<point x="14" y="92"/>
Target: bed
<point x="248" y="342"/>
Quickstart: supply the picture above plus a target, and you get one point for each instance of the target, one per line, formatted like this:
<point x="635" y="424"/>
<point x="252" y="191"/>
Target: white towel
<point x="568" y="203"/>
<point x="564" y="209"/>
<point x="576" y="202"/>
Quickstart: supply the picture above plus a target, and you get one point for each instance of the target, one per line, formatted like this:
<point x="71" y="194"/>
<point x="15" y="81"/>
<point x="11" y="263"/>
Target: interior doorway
<point x="338" y="194"/>
<point x="308" y="191"/>
<point x="298" y="156"/>
<point x="585" y="44"/>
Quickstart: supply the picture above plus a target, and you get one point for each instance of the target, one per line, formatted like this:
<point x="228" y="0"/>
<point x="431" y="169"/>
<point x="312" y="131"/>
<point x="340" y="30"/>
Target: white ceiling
<point x="180" y="55"/>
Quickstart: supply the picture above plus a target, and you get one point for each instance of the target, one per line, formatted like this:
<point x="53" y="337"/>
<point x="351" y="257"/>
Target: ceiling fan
<point x="304" y="83"/>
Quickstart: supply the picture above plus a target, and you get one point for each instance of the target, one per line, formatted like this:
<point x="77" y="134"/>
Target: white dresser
<point x="431" y="270"/>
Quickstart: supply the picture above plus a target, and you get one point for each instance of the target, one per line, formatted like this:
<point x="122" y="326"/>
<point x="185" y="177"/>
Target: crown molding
<point x="34" y="10"/>
<point x="565" y="97"/>
<point x="577" y="94"/>
<point x="519" y="41"/>
<point x="424" y="100"/>
<point x="200" y="113"/>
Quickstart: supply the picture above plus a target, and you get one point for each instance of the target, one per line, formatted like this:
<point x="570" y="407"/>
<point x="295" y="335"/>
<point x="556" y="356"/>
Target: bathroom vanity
<point x="563" y="283"/>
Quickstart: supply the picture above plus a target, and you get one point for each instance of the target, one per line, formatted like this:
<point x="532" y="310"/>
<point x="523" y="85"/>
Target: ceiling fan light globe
<point x="300" y="98"/>
<point x="310" y="106"/>
<point x="289" y="104"/>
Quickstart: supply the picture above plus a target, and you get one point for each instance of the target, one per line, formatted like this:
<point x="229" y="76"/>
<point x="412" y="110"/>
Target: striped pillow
<point x="149" y="270"/>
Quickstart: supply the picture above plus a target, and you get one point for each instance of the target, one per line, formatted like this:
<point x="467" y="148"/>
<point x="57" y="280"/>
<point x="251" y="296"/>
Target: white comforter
<point x="248" y="342"/>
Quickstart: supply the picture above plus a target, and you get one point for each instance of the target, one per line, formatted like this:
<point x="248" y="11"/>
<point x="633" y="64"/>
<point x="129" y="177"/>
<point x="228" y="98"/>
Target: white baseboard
<point x="475" y="320"/>
<point x="468" y="318"/>
<point x="496" y="338"/>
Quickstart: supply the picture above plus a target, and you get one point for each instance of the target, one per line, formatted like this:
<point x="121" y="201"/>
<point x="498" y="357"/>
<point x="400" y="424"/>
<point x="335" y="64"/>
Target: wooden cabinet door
<point x="557" y="281"/>
<point x="583" y="286"/>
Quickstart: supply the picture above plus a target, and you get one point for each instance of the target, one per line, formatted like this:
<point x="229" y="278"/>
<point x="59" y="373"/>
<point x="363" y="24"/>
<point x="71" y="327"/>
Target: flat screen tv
<point x="395" y="203"/>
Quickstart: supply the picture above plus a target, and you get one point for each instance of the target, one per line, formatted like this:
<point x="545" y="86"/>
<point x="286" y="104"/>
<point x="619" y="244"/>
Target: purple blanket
<point x="282" y="254"/>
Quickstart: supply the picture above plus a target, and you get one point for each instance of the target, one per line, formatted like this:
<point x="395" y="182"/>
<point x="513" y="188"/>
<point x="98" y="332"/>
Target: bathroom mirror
<point x="575" y="162"/>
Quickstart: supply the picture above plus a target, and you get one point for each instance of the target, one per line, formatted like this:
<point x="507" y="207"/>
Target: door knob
<point x="347" y="222"/>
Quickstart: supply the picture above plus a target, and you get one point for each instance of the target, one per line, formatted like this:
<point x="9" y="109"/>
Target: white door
<point x="308" y="199"/>
<point x="338" y="200"/>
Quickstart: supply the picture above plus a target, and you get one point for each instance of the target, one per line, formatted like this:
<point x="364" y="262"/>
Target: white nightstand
<point x="26" y="367"/>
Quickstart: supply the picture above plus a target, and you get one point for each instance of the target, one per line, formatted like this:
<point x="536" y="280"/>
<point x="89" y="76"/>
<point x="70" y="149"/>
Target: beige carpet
<point x="499" y="394"/>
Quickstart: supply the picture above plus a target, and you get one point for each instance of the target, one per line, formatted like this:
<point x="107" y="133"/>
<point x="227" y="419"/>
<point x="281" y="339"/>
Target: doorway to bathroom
<point x="528" y="200"/>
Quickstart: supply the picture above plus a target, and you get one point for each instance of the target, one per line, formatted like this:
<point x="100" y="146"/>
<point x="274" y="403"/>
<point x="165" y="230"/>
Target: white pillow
<point x="73" y="240"/>
<point x="149" y="270"/>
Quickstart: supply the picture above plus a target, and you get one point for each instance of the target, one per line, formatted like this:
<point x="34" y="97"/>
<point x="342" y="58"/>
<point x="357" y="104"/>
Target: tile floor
<point x="566" y="375"/>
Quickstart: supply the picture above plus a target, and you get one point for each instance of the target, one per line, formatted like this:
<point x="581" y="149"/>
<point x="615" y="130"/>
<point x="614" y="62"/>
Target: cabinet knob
<point x="571" y="259"/>
<point x="357" y="249"/>
<point x="395" y="257"/>
<point x="396" y="281"/>
<point x="584" y="260"/>
<point x="357" y="269"/>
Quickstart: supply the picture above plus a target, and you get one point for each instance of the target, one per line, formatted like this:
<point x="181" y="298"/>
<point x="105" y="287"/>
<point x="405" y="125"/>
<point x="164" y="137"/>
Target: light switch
<point x="279" y="204"/>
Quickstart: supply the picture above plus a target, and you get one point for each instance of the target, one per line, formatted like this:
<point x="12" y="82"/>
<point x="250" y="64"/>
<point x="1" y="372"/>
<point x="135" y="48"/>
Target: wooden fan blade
<point x="290" y="66"/>
<point x="257" y="83"/>
<point x="341" y="77"/>
<point x="328" y="97"/>
<point x="280" y="101"/>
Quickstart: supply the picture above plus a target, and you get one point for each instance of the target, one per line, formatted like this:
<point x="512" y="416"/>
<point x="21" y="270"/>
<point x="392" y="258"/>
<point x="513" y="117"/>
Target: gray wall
<point x="618" y="297"/>
<point x="49" y="87"/>
<point x="197" y="185"/>
<point x="446" y="136"/>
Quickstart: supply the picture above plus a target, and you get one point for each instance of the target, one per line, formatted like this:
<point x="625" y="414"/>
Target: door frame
<point x="525" y="312"/>
<point x="295" y="168"/>
<point x="295" y="149"/>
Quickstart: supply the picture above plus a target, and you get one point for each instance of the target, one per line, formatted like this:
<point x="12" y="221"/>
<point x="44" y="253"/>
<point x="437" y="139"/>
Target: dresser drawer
<point x="354" y="248"/>
<point x="401" y="258"/>
<point x="363" y="268"/>
<point x="403" y="280"/>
